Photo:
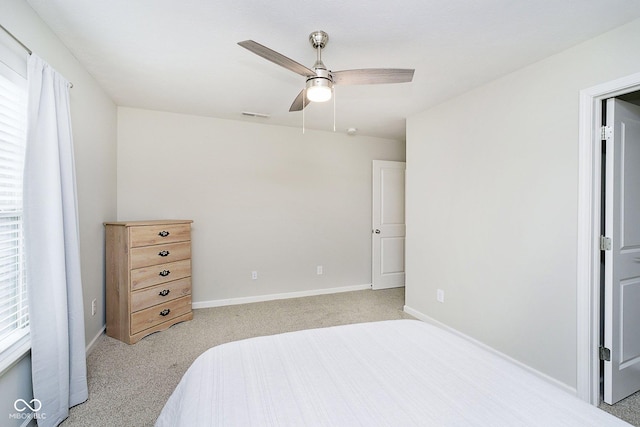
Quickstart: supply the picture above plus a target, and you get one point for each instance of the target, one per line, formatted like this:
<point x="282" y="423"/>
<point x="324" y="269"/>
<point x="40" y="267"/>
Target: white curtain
<point x="52" y="248"/>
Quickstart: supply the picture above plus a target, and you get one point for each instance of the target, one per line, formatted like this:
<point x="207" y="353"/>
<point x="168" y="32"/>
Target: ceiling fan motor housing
<point x="321" y="74"/>
<point x="322" y="78"/>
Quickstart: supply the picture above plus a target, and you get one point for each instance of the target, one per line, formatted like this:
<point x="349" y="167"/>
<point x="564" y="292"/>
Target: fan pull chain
<point x="304" y="97"/>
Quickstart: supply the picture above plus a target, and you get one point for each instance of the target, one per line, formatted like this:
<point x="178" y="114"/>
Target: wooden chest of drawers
<point x="148" y="277"/>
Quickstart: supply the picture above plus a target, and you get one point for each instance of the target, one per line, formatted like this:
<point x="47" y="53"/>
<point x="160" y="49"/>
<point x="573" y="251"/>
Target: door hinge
<point x="605" y="243"/>
<point x="606" y="133"/>
<point x="605" y="354"/>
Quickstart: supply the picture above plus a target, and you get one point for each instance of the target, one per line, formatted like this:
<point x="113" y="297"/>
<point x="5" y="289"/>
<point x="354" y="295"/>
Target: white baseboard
<point x="271" y="297"/>
<point x="543" y="376"/>
<point x="93" y="342"/>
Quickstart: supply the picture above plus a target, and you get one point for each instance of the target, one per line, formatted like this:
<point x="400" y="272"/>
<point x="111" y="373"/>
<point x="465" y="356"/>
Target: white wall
<point x="94" y="132"/>
<point x="492" y="204"/>
<point x="263" y="198"/>
<point x="15" y="384"/>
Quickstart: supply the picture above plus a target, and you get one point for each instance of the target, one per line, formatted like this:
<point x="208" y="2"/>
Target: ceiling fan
<point x="320" y="80"/>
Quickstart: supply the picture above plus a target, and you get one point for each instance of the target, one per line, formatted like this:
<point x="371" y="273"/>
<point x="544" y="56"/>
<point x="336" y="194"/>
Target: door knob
<point x="377" y="231"/>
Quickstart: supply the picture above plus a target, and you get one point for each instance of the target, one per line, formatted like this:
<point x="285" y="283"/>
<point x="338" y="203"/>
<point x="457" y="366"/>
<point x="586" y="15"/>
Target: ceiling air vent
<point x="250" y="114"/>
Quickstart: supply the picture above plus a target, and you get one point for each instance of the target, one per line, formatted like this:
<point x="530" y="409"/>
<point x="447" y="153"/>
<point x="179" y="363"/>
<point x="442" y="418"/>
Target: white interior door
<point x="622" y="261"/>
<point x="388" y="224"/>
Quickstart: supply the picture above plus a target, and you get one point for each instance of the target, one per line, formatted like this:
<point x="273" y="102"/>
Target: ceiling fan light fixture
<point x="319" y="94"/>
<point x="319" y="89"/>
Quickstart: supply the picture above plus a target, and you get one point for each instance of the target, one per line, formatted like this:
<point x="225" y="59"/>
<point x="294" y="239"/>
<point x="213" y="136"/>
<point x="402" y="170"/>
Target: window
<point x="14" y="314"/>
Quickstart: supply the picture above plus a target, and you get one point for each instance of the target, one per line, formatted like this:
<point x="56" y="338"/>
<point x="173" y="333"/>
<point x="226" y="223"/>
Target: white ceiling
<point x="182" y="55"/>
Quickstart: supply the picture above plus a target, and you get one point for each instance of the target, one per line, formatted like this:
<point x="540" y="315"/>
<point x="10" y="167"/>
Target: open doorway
<point x="620" y="248"/>
<point x="590" y="221"/>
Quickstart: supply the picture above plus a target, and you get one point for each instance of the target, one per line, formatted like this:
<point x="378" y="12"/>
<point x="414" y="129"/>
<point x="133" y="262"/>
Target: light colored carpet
<point x="129" y="384"/>
<point x="628" y="409"/>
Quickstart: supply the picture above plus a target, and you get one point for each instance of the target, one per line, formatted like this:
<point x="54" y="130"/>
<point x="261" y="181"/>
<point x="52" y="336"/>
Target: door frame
<point x="589" y="216"/>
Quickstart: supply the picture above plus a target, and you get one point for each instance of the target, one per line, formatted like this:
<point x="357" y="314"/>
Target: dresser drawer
<point x="160" y="313"/>
<point x="159" y="254"/>
<point x="156" y="274"/>
<point x="159" y="234"/>
<point x="160" y="294"/>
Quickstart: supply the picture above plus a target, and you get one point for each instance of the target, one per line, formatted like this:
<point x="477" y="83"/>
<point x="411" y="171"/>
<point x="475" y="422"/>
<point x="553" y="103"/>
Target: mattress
<point x="390" y="373"/>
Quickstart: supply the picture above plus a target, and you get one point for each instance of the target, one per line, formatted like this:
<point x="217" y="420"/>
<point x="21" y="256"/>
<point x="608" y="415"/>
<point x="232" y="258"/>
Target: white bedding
<point x="392" y="373"/>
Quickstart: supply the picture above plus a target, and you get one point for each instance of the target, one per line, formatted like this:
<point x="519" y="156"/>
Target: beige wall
<point x="263" y="198"/>
<point x="492" y="204"/>
<point x="94" y="132"/>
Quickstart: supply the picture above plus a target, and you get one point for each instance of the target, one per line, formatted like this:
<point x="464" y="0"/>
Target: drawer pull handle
<point x="163" y="253"/>
<point x="165" y="312"/>
<point x="165" y="273"/>
<point x="164" y="292"/>
<point x="163" y="233"/>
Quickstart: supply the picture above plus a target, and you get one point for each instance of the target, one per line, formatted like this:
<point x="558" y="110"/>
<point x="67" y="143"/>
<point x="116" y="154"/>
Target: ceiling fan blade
<point x="277" y="58"/>
<point x="369" y="76"/>
<point x="300" y="102"/>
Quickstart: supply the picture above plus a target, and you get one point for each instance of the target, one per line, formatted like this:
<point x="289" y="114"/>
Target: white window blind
<point x="14" y="314"/>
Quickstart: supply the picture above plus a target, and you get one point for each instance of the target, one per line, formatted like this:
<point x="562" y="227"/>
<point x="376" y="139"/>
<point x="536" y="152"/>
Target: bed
<point x="389" y="373"/>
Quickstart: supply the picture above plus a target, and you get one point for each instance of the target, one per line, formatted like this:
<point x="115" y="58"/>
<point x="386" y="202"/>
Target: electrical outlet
<point x="94" y="307"/>
<point x="254" y="275"/>
<point x="319" y="270"/>
<point x="440" y="295"/>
